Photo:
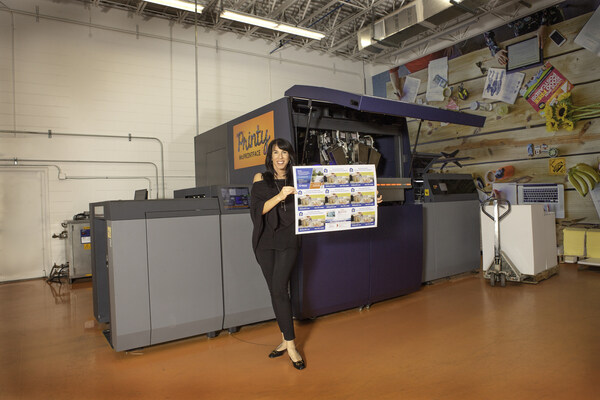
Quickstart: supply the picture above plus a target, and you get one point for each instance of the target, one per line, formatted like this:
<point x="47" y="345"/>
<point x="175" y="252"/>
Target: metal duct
<point x="413" y="19"/>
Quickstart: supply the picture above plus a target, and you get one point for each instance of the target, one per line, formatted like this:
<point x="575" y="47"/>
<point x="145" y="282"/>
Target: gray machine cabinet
<point x="128" y="284"/>
<point x="245" y="290"/>
<point x="78" y="254"/>
<point x="163" y="270"/>
<point x="246" y="296"/>
<point x="184" y="257"/>
<point x="452" y="238"/>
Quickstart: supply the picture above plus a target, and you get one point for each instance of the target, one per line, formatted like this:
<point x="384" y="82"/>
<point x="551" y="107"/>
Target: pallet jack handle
<point x="496" y="271"/>
<point x="495" y="202"/>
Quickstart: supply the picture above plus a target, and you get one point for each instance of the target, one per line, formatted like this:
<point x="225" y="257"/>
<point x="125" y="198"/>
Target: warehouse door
<point x="22" y="224"/>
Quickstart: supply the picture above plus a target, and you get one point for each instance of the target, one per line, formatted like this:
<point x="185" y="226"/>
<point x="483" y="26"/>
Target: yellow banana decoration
<point x="588" y="170"/>
<point x="581" y="183"/>
<point x="576" y="183"/>
<point x="587" y="178"/>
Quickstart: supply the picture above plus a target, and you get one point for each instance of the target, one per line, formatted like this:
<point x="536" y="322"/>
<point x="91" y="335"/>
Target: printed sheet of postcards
<point x="335" y="197"/>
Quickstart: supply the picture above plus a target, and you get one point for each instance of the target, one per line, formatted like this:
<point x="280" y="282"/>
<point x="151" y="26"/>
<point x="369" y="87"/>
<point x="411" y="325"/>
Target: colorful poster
<point x="335" y="198"/>
<point x="251" y="139"/>
<point x="545" y="87"/>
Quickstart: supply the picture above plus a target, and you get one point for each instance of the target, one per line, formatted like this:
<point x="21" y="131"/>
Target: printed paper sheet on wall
<point x="545" y="87"/>
<point x="335" y="198"/>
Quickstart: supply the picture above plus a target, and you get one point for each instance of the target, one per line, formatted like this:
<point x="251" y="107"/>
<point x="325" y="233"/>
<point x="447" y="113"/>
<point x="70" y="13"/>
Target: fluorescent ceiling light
<point x="269" y="24"/>
<point x="294" y="30"/>
<point x="182" y="5"/>
<point x="248" y="19"/>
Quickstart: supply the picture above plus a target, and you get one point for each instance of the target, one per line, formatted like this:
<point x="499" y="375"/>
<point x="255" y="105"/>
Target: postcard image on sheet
<point x="335" y="197"/>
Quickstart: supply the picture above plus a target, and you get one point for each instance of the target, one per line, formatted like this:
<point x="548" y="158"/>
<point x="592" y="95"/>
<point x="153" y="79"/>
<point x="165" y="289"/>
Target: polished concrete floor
<point x="459" y="339"/>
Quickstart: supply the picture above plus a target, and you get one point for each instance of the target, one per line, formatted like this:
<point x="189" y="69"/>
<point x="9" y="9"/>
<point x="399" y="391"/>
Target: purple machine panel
<point x="396" y="273"/>
<point x="332" y="273"/>
<point x="378" y="105"/>
<point x="341" y="270"/>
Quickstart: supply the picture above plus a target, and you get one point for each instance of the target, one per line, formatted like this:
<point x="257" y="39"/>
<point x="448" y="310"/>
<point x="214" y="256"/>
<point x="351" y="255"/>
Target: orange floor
<point x="459" y="339"/>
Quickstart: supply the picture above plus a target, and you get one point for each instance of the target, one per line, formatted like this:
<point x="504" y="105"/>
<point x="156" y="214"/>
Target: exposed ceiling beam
<point x="340" y="20"/>
<point x="353" y="18"/>
<point x="476" y="25"/>
<point x="315" y="14"/>
<point x="274" y="14"/>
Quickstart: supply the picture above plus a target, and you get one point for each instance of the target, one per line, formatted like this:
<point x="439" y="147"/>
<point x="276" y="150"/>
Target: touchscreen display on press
<point x="235" y="197"/>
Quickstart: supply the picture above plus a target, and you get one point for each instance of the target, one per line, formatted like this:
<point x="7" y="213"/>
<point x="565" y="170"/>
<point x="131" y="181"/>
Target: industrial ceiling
<point x="388" y="32"/>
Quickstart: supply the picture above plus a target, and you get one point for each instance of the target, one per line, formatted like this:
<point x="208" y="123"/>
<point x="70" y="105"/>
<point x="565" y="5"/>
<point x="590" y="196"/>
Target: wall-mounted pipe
<point x="58" y="170"/>
<point x="65" y="177"/>
<point x="115" y="177"/>
<point x="15" y="162"/>
<point x="62" y="177"/>
<point x="13" y="69"/>
<point x="49" y="134"/>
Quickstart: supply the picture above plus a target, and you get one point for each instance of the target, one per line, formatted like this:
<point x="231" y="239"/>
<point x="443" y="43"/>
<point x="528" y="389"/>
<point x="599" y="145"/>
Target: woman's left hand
<point x="379" y="197"/>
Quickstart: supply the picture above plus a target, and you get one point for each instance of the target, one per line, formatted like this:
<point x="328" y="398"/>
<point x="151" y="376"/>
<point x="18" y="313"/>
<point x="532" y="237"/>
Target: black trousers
<point x="277" y="267"/>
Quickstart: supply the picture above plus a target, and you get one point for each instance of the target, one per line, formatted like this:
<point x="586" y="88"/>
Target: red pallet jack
<point x="502" y="268"/>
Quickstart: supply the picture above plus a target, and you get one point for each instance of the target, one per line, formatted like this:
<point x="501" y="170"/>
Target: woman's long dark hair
<point x="269" y="175"/>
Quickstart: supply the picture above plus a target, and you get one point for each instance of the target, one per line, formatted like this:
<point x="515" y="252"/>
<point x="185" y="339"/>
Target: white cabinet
<point x="527" y="237"/>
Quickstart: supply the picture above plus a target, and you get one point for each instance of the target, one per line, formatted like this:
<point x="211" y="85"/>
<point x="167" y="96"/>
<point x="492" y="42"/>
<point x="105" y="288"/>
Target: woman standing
<point x="274" y="240"/>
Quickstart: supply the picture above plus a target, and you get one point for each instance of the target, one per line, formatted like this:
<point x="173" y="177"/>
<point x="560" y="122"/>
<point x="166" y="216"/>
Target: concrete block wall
<point x="71" y="67"/>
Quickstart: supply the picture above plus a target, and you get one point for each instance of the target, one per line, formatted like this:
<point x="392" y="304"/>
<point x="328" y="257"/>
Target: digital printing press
<point x="169" y="269"/>
<point x="346" y="269"/>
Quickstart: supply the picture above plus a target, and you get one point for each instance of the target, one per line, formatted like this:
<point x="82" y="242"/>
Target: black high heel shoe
<point x="276" y="353"/>
<point x="298" y="364"/>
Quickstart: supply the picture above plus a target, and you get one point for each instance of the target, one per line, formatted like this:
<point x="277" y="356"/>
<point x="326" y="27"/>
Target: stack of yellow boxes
<point x="581" y="243"/>
<point x="592" y="243"/>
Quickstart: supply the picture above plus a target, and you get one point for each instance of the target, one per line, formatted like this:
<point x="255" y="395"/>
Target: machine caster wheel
<point x="233" y="329"/>
<point x="492" y="280"/>
<point x="502" y="280"/>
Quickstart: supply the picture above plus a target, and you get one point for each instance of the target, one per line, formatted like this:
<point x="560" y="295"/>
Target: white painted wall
<point x="69" y="67"/>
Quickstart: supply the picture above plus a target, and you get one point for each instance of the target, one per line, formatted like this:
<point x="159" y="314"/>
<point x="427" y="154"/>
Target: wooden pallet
<point x="535" y="279"/>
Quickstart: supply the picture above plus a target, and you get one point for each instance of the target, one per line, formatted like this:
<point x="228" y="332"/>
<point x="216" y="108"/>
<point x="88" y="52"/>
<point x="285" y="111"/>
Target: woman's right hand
<point x="285" y="192"/>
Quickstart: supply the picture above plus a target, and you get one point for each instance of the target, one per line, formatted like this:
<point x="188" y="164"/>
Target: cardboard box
<point x="592" y="243"/>
<point x="574" y="241"/>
